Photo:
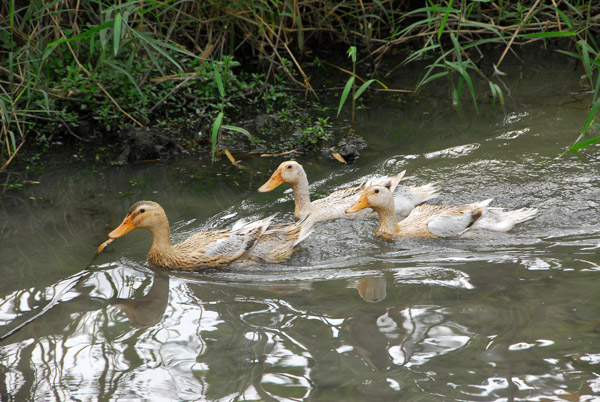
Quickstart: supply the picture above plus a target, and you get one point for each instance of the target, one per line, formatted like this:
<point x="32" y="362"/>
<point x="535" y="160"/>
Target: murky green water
<point x="503" y="316"/>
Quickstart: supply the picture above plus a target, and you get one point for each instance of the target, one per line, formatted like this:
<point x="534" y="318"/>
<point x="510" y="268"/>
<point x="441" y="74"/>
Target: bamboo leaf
<point x="215" y="133"/>
<point x="219" y="80"/>
<point x="238" y="130"/>
<point x="345" y="93"/>
<point x="362" y="88"/>
<point x="352" y="53"/>
<point x="117" y="33"/>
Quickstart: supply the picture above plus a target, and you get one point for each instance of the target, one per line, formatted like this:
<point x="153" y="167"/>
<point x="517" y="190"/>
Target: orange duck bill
<point x="361" y="203"/>
<point x="272" y="183"/>
<point x="125" y="227"/>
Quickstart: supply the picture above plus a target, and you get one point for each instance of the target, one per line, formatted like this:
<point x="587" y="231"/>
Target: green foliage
<point x="315" y="134"/>
<point x="86" y="68"/>
<point x="350" y="86"/>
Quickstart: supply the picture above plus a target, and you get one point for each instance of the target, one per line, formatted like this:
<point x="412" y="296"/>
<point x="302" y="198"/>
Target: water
<point x="501" y="316"/>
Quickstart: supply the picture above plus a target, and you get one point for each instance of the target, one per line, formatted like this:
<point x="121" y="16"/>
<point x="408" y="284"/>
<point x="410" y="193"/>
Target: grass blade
<point x="238" y="130"/>
<point x="590" y="117"/>
<point x="219" y="80"/>
<point x="583" y="144"/>
<point x="345" y="93"/>
<point x="215" y="133"/>
<point x="117" y="34"/>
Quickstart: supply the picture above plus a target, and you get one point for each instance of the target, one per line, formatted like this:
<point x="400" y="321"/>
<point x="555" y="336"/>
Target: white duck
<point x="334" y="205"/>
<point x="437" y="221"/>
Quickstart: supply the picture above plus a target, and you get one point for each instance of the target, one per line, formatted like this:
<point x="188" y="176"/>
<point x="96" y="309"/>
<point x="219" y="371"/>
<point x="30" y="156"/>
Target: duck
<point x="334" y="205"/>
<point x="437" y="221"/>
<point x="244" y="244"/>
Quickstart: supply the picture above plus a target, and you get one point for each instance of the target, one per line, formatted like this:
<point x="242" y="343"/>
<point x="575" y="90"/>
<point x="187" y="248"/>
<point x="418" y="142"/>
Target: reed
<point x="64" y="63"/>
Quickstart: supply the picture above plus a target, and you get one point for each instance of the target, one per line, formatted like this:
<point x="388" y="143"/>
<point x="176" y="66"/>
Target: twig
<point x="281" y="153"/>
<point x="516" y="33"/>
<point x="12" y="156"/>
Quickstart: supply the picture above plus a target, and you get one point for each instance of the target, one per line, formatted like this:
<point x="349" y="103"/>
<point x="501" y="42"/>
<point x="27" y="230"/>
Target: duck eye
<point x="142" y="211"/>
<point x="376" y="191"/>
<point x="289" y="166"/>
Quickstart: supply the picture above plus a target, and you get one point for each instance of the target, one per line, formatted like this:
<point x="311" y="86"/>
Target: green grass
<point x="84" y="69"/>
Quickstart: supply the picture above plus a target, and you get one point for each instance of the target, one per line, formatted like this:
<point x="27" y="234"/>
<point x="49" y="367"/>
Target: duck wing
<point x="279" y="241"/>
<point x="501" y="220"/>
<point x="407" y="198"/>
<point x="453" y="221"/>
<point x="222" y="247"/>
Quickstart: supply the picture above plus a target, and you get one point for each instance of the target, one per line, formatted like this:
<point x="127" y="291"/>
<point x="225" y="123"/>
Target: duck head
<point x="143" y="214"/>
<point x="287" y="172"/>
<point x="376" y="197"/>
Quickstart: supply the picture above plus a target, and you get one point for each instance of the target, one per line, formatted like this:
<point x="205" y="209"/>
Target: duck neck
<point x="301" y="197"/>
<point x="161" y="252"/>
<point x="388" y="224"/>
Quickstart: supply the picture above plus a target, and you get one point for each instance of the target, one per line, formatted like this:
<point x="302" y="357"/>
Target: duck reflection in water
<point x="147" y="310"/>
<point x="400" y="335"/>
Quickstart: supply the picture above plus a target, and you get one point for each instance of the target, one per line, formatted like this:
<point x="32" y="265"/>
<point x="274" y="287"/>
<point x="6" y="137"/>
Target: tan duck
<point x="437" y="221"/>
<point x="243" y="244"/>
<point x="335" y="205"/>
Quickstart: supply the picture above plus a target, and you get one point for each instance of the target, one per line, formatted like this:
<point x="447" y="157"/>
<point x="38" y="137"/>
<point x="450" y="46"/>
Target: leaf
<point x="459" y="67"/>
<point x="219" y="80"/>
<point x="585" y="54"/>
<point x="158" y="46"/>
<point x="362" y="88"/>
<point x="352" y="53"/>
<point x="496" y="92"/>
<point x="583" y="144"/>
<point x="433" y="77"/>
<point x="345" y="93"/>
<point x="12" y="141"/>
<point x="117" y="33"/>
<point x="444" y="20"/>
<point x="126" y="73"/>
<point x="238" y="130"/>
<point x="590" y="117"/>
<point x="338" y="157"/>
<point x="84" y="35"/>
<point x="556" y="34"/>
<point x="215" y="133"/>
<point x="564" y="18"/>
<point x="231" y="158"/>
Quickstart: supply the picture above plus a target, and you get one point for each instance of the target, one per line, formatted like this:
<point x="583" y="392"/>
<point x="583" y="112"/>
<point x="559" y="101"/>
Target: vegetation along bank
<point x="145" y="80"/>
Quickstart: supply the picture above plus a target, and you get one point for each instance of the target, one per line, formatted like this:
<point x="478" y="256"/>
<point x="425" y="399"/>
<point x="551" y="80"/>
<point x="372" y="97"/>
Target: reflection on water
<point x="498" y="316"/>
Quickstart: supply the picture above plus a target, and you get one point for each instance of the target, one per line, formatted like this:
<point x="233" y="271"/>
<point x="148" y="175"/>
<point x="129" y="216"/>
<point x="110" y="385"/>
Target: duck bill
<point x="362" y="203"/>
<point x="272" y="183"/>
<point x="125" y="227"/>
